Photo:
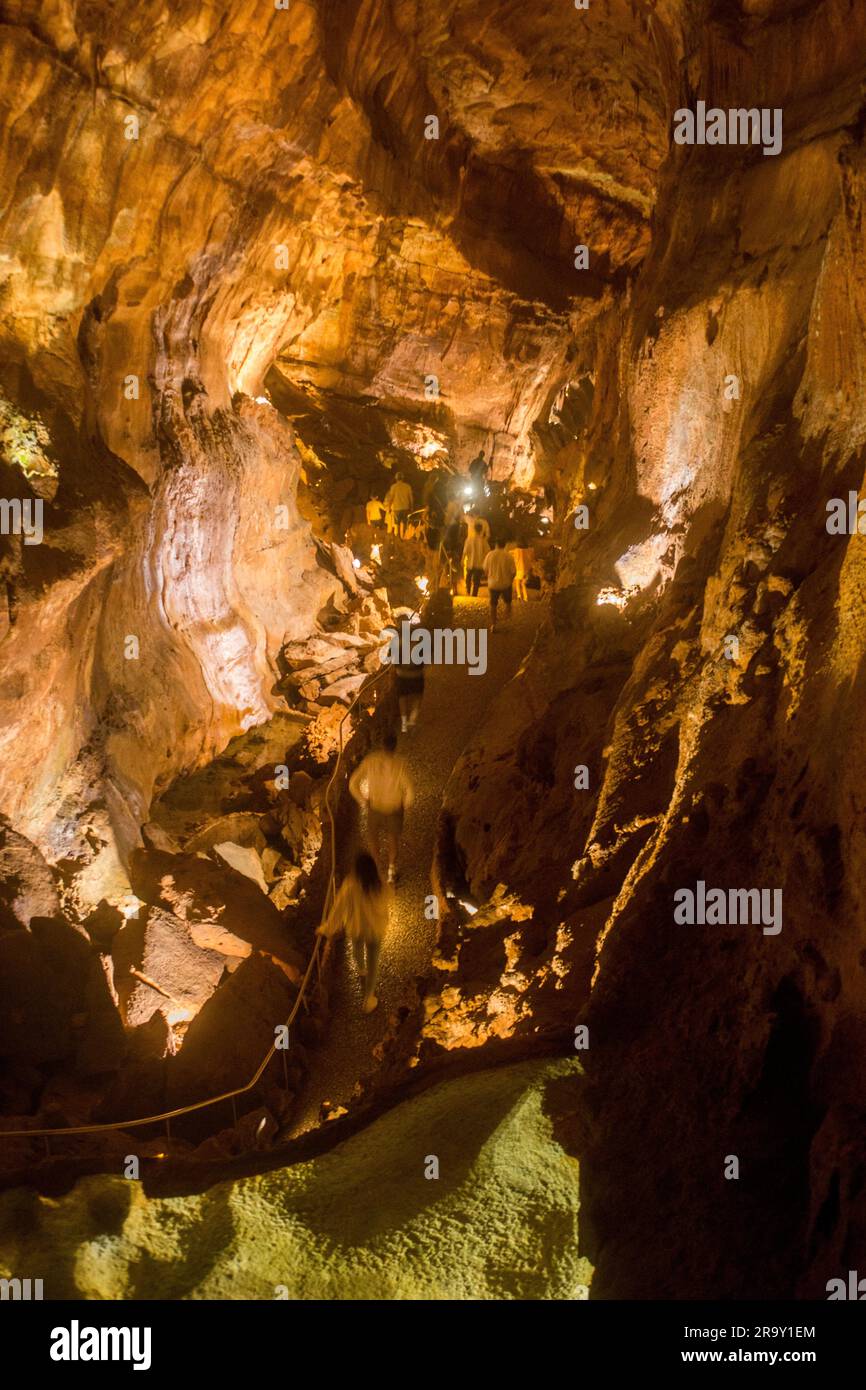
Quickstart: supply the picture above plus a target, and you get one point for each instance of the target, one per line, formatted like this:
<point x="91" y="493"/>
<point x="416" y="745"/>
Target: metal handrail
<point x="167" y="1115"/>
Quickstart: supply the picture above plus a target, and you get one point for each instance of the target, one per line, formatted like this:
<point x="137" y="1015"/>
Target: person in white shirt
<point x="474" y="554"/>
<point x="500" y="569"/>
<point x="381" y="782"/>
<point x="361" y="912"/>
<point x="399" y="498"/>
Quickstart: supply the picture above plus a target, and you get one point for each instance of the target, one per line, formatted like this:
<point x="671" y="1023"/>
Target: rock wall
<point x="197" y="194"/>
<point x="728" y="410"/>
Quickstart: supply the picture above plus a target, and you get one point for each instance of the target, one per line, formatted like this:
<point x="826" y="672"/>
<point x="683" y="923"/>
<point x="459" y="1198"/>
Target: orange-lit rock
<point x="251" y="262"/>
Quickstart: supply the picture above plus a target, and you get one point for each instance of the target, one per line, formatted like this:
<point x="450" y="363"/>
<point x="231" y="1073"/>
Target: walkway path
<point x="455" y="704"/>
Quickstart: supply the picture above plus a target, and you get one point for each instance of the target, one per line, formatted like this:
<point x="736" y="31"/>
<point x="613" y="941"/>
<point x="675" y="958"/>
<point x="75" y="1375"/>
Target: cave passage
<point x="432" y="655"/>
<point x="454" y="706"/>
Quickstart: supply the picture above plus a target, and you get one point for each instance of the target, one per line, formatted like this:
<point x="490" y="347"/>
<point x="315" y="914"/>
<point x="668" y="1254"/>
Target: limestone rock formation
<point x="714" y="712"/>
<point x="252" y="261"/>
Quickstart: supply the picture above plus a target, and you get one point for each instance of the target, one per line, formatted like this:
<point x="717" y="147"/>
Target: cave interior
<point x="257" y="263"/>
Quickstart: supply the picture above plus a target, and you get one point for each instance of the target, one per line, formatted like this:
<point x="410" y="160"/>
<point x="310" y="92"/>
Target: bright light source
<point x="376" y="553"/>
<point x="263" y="400"/>
<point x="467" y="907"/>
<point x="423" y="583"/>
<point x="179" y="1015"/>
<point x="614" y="596"/>
<point x="356" y="563"/>
<point x="593" y="486"/>
<point x="468" y="490"/>
<point x="618" y="597"/>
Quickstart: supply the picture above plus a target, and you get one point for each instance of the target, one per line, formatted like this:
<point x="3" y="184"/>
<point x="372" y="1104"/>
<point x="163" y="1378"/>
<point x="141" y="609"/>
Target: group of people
<point x="491" y="563"/>
<point x="504" y="569"/>
<point x="381" y="784"/>
<point x="361" y="908"/>
<point x="455" y="518"/>
<point x="392" y="514"/>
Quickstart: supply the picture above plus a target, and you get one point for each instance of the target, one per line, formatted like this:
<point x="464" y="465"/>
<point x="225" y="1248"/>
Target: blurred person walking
<point x="382" y="784"/>
<point x="523" y="554"/>
<point x="474" y="554"/>
<point x="361" y="911"/>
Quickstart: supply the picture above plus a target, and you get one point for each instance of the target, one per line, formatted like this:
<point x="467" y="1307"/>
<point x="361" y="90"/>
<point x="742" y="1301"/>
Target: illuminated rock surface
<point x="360" y="1222"/>
<point x="208" y="206"/>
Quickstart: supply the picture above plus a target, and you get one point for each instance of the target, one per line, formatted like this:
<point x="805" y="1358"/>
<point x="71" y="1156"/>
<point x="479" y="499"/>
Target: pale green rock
<point x="361" y="1222"/>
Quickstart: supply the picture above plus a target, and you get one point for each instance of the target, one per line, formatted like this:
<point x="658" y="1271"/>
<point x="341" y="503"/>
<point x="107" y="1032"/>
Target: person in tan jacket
<point x="360" y="911"/>
<point x="381" y="782"/>
<point x="474" y="554"/>
<point x="399" y="498"/>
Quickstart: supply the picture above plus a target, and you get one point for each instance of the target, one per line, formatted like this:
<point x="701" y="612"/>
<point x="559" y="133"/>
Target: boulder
<point x="211" y="936"/>
<point x="200" y="891"/>
<point x="343" y="690"/>
<point x="162" y="949"/>
<point x="323" y="734"/>
<point x="301" y="832"/>
<point x="239" y="828"/>
<point x="245" y="860"/>
<point x="284" y="892"/>
<point x="270" y="861"/>
<point x="100" y="1040"/>
<point x="27" y="885"/>
<point x="344" y="662"/>
<point x="155" y="837"/>
<point x="139" y="1087"/>
<point x="301" y="785"/>
<point x="313" y="652"/>
<point x="226" y="1041"/>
